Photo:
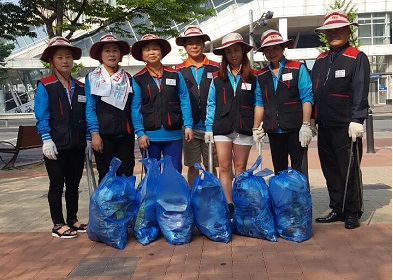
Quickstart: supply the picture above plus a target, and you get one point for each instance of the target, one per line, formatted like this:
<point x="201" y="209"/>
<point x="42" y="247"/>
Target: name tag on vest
<point x="171" y="82"/>
<point x="209" y="75"/>
<point x="287" y="77"/>
<point x="339" y="73"/>
<point x="82" y="98"/>
<point x="246" y="86"/>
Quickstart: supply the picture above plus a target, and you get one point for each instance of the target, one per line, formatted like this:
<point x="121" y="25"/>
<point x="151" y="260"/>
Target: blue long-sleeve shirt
<point x="42" y="111"/>
<point x="161" y="134"/>
<point x="211" y="99"/>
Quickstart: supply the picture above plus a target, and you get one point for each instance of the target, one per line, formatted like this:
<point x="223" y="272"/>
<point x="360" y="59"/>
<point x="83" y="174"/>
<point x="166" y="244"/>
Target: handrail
<point x="15" y="116"/>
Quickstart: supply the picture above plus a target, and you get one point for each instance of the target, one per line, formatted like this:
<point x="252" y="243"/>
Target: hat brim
<point x="220" y="50"/>
<point x="181" y="40"/>
<point x="136" y="49"/>
<point x="286" y="44"/>
<point x="95" y="50"/>
<point x="334" y="26"/>
<point x="48" y="52"/>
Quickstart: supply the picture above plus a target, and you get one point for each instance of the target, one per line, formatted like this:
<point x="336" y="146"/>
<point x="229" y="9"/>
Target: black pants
<point x="282" y="145"/>
<point x="120" y="147"/>
<point x="67" y="169"/>
<point x="334" y="149"/>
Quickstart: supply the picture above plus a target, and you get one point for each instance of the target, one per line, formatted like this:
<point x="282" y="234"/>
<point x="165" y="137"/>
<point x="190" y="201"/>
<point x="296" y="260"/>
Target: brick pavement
<point x="29" y="252"/>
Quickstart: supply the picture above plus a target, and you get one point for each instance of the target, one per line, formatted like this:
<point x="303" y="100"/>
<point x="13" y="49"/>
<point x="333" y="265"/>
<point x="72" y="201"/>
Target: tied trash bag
<point x="211" y="210"/>
<point x="292" y="206"/>
<point x="146" y="227"/>
<point x="112" y="206"/>
<point x="174" y="212"/>
<point x="253" y="214"/>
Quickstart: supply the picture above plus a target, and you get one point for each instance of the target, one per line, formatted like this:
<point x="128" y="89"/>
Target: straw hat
<point x="136" y="49"/>
<point x="191" y="31"/>
<point x="57" y="42"/>
<point x="272" y="37"/>
<point x="95" y="50"/>
<point x="335" y="19"/>
<point x="229" y="40"/>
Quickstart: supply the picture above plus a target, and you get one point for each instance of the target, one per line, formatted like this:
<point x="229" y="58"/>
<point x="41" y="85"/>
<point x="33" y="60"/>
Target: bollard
<point x="370" y="131"/>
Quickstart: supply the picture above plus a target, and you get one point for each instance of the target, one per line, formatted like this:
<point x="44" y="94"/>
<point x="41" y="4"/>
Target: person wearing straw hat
<point x="161" y="104"/>
<point x="233" y="110"/>
<point x="108" y="110"/>
<point x="341" y="78"/>
<point x="287" y="102"/>
<point x="197" y="71"/>
<point x="59" y="107"/>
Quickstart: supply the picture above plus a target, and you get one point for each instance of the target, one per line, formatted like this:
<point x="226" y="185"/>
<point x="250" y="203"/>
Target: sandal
<point x="80" y="228"/>
<point x="68" y="233"/>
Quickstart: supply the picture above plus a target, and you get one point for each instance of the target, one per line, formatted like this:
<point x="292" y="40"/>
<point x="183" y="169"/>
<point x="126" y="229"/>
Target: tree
<point x="351" y="12"/>
<point x="14" y="21"/>
<point x="5" y="51"/>
<point x="65" y="17"/>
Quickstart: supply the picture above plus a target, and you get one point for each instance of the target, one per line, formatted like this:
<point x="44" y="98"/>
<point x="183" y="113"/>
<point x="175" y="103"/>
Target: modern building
<point x="294" y="19"/>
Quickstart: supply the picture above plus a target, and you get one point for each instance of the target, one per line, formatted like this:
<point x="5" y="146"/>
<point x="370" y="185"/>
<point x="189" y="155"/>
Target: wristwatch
<point x="306" y="123"/>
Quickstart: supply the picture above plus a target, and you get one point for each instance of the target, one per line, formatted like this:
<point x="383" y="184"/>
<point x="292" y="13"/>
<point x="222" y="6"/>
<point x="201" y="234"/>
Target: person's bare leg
<point x="224" y="153"/>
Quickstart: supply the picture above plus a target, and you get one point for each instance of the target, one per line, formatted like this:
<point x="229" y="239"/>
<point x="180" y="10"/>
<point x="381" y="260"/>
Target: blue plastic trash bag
<point x="211" y="210"/>
<point x="174" y="211"/>
<point x="146" y="228"/>
<point x="112" y="206"/>
<point x="253" y="214"/>
<point x="292" y="205"/>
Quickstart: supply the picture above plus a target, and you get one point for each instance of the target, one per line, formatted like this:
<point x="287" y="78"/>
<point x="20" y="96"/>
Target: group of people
<point x="201" y="106"/>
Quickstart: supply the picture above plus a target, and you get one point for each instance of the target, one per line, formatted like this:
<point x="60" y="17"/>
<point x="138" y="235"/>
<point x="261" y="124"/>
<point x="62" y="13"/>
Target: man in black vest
<point x="341" y="79"/>
<point x="197" y="71"/>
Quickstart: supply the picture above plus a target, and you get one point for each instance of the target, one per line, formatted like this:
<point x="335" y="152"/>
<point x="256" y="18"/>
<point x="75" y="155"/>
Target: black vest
<point x="283" y="107"/>
<point x="234" y="113"/>
<point x="160" y="107"/>
<point x="333" y="88"/>
<point x="113" y="121"/>
<point x="67" y="123"/>
<point x="198" y="95"/>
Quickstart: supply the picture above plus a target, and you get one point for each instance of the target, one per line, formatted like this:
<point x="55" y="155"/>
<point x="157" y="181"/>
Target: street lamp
<point x="261" y="21"/>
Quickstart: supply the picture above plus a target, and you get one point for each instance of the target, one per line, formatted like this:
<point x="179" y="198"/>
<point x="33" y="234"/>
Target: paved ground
<point x="27" y="250"/>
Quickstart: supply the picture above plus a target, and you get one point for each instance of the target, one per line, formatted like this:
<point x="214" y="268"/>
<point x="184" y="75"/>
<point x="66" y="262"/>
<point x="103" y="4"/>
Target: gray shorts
<point x="193" y="150"/>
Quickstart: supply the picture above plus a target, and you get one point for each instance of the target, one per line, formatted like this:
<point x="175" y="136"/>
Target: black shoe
<point x="331" y="217"/>
<point x="231" y="207"/>
<point x="352" y="221"/>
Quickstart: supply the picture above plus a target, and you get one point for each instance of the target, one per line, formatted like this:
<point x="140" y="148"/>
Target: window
<point x="374" y="29"/>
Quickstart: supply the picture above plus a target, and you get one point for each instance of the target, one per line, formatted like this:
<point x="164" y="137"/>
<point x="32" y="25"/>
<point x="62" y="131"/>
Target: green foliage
<point x="14" y="21"/>
<point x="65" y="17"/>
<point x="5" y="51"/>
<point x="351" y="12"/>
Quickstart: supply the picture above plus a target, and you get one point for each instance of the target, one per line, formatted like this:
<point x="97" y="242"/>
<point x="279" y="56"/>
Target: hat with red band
<point x="335" y="19"/>
<point x="272" y="37"/>
<point x="57" y="42"/>
<point x="191" y="31"/>
<point x="95" y="50"/>
<point x="229" y="40"/>
<point x="136" y="49"/>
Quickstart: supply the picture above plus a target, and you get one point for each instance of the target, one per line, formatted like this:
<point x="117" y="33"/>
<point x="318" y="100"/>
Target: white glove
<point x="258" y="134"/>
<point x="314" y="128"/>
<point x="49" y="149"/>
<point x="89" y="150"/>
<point x="355" y="130"/>
<point x="305" y="135"/>
<point x="209" y="137"/>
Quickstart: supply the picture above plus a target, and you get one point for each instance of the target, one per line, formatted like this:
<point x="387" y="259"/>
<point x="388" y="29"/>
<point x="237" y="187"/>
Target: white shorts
<point x="235" y="138"/>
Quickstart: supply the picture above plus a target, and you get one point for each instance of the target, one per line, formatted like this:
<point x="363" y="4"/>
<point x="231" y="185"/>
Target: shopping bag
<point x="292" y="205"/>
<point x="112" y="206"/>
<point x="146" y="228"/>
<point x="253" y="214"/>
<point x="174" y="211"/>
<point x="210" y="206"/>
